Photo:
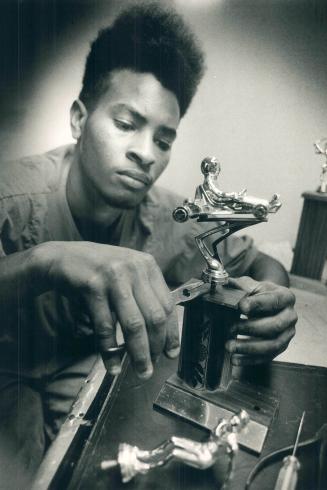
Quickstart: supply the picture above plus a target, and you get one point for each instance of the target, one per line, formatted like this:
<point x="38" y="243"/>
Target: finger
<point x="243" y="360"/>
<point x="163" y="294"/>
<point x="105" y="331"/>
<point x="153" y="312"/>
<point x="160" y="287"/>
<point x="155" y="321"/>
<point x="268" y="327"/>
<point x="267" y="301"/>
<point x="172" y="346"/>
<point x="244" y="283"/>
<point x="261" y="346"/>
<point x="262" y="296"/>
<point x="134" y="330"/>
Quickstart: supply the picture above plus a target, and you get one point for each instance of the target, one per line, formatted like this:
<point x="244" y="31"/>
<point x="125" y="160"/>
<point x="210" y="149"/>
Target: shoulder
<point x="34" y="174"/>
<point x="26" y="189"/>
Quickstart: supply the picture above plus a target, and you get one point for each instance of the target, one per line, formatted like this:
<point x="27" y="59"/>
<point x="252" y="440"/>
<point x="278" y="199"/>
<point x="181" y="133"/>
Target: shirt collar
<point x="147" y="212"/>
<point x="61" y="222"/>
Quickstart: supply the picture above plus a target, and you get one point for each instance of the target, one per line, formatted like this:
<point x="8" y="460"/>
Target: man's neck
<point x="86" y="210"/>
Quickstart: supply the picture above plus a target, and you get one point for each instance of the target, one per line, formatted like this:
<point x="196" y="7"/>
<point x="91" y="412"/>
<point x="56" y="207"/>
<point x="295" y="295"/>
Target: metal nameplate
<point x="205" y="414"/>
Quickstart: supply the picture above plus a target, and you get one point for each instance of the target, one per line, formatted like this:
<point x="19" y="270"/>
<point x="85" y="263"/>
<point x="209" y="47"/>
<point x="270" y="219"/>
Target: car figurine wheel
<point x="180" y="214"/>
<point x="260" y="211"/>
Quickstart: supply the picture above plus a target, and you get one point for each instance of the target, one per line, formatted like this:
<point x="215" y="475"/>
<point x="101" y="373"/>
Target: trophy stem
<point x="215" y="272"/>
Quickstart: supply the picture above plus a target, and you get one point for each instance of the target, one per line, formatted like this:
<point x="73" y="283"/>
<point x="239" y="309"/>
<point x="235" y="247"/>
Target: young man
<point x="86" y="239"/>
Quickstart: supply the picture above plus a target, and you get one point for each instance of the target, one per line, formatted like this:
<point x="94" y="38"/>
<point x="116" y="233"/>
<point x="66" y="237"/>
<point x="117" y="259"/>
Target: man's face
<point x="126" y="140"/>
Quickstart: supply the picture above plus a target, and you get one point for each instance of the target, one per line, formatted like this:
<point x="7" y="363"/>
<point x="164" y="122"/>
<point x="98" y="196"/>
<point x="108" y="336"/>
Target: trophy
<point x="203" y="391"/>
<point x="321" y="149"/>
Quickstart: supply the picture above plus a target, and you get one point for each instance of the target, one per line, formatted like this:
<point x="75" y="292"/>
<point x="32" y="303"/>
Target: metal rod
<point x="298" y="434"/>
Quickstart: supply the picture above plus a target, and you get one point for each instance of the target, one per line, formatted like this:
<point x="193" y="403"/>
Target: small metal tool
<point x="189" y="291"/>
<point x="287" y="476"/>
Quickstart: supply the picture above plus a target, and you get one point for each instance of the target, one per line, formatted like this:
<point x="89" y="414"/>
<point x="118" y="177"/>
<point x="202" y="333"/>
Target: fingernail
<point x="145" y="374"/>
<point x="230" y="346"/>
<point x="236" y="361"/>
<point x="114" y="370"/>
<point x="172" y="353"/>
<point x="245" y="306"/>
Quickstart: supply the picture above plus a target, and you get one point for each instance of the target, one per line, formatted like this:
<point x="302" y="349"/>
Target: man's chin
<point x="124" y="201"/>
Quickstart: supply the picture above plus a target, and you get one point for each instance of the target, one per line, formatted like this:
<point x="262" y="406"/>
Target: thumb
<point x="245" y="283"/>
<point x="250" y="286"/>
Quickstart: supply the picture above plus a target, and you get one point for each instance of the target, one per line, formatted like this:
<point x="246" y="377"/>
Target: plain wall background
<point x="259" y="109"/>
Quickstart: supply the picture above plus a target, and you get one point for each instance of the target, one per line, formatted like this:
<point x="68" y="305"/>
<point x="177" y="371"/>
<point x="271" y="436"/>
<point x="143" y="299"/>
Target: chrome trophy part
<point x="321" y="149"/>
<point x="202" y="455"/>
<point x="232" y="210"/>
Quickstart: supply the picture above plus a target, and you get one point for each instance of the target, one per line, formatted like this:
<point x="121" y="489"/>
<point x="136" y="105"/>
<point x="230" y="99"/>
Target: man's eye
<point x="163" y="145"/>
<point x="124" y="125"/>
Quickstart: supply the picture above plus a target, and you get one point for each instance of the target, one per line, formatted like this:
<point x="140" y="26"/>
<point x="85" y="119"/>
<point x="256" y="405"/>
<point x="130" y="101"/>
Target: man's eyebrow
<point x="169" y="132"/>
<point x="131" y="110"/>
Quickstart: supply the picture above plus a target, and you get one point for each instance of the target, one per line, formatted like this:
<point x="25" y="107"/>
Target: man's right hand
<point x="104" y="279"/>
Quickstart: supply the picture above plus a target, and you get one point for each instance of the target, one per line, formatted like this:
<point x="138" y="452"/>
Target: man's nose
<point x="141" y="150"/>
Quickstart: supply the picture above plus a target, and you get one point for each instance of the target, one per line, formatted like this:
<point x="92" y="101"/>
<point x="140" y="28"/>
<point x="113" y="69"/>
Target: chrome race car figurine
<point x="231" y="211"/>
<point x="202" y="455"/>
<point x="211" y="202"/>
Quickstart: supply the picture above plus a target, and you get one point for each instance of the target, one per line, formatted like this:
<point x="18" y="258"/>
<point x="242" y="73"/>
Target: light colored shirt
<point x="46" y="334"/>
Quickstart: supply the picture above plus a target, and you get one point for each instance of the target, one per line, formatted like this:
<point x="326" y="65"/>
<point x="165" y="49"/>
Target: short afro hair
<point x="146" y="38"/>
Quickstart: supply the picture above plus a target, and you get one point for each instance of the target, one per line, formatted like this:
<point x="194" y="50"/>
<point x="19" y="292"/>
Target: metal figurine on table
<point x="202" y="455"/>
<point x="203" y="390"/>
<point x="321" y="149"/>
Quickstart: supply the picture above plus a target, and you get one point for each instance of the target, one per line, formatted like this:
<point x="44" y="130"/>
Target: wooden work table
<point x="109" y="413"/>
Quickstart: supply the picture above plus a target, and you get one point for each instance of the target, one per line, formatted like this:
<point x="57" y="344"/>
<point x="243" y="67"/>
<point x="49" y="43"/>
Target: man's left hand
<point x="270" y="322"/>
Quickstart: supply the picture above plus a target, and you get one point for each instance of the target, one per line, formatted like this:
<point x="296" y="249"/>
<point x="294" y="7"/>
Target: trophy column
<point x="311" y="245"/>
<point x="203" y="390"/>
<point x="204" y="363"/>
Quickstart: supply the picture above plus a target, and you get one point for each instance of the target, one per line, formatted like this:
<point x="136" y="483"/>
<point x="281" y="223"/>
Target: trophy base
<point x="205" y="408"/>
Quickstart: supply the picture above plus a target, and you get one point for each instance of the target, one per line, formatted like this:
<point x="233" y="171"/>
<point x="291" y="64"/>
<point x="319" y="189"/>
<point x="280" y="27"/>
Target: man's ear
<point x="78" y="117"/>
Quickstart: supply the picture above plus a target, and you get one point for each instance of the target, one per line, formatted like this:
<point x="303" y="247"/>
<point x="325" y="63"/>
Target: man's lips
<point x="137" y="175"/>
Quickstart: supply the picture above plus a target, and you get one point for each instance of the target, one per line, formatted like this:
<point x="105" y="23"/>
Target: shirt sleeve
<point x="15" y="232"/>
<point x="237" y="254"/>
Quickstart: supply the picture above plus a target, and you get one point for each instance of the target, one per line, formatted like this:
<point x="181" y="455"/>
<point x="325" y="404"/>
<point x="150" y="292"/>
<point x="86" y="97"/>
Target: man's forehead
<point x="142" y="93"/>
